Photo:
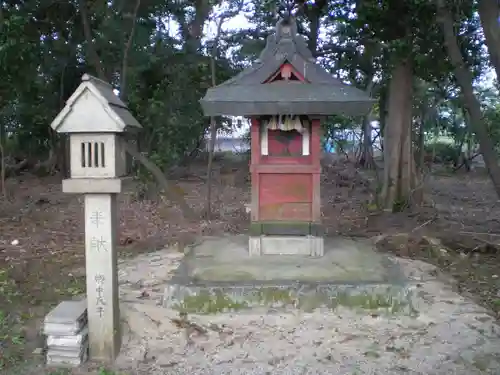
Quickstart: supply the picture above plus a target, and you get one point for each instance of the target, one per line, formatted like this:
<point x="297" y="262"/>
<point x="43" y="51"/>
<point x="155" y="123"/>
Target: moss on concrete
<point x="353" y="301"/>
<point x="311" y="302"/>
<point x="369" y="302"/>
<point x="273" y="296"/>
<point x="207" y="303"/>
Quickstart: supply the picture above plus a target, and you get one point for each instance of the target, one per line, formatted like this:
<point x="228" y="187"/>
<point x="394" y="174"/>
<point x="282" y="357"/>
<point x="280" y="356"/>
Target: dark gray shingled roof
<point x="116" y="104"/>
<point x="246" y="95"/>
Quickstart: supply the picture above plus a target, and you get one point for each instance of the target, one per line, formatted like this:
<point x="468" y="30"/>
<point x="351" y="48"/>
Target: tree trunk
<point x="60" y="141"/>
<point x="2" y="150"/>
<point x="192" y="27"/>
<point x="213" y="131"/>
<point x="435" y="137"/>
<point x="465" y="79"/>
<point x="3" y="176"/>
<point x="365" y="158"/>
<point x="314" y="16"/>
<point x="489" y="12"/>
<point x="399" y="185"/>
<point x="92" y="54"/>
<point x="173" y="193"/>
<point x="211" y="150"/>
<point x="126" y="51"/>
<point x="469" y="140"/>
<point x="382" y="108"/>
<point x="213" y="125"/>
<point x="421" y="141"/>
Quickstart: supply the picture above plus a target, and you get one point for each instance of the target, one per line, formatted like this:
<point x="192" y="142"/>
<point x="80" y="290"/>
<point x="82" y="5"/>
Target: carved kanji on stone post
<point x="95" y="120"/>
<point x="286" y="95"/>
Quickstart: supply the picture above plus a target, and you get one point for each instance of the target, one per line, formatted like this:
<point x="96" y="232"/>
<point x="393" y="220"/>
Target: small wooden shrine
<point x="286" y="95"/>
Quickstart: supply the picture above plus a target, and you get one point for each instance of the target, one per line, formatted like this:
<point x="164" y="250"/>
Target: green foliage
<point x="339" y="130"/>
<point x="444" y="152"/>
<point x="409" y="29"/>
<point x="43" y="54"/>
<point x="399" y="205"/>
<point x="492" y="117"/>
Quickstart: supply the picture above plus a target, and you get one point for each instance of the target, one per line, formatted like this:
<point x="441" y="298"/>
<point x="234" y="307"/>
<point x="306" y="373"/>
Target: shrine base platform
<point x="219" y="274"/>
<point x="286" y="245"/>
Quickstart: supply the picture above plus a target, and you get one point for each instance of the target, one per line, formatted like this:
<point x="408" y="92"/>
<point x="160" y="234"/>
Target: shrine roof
<point x="286" y="98"/>
<point x="248" y="94"/>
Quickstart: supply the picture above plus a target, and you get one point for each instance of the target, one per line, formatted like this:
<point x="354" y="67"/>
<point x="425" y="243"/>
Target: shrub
<point x="444" y="152"/>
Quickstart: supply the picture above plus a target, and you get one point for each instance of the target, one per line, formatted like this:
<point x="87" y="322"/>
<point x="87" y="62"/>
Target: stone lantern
<point x="286" y="95"/>
<point x="96" y="121"/>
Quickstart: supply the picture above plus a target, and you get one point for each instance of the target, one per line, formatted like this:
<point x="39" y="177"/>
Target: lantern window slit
<point x="103" y="161"/>
<point x="96" y="154"/>
<point x="89" y="154"/>
<point x="92" y="155"/>
<point x="82" y="154"/>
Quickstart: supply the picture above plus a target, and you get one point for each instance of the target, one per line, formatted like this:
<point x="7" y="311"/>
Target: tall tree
<point x="489" y="11"/>
<point x="219" y="20"/>
<point x="411" y="49"/>
<point x="465" y="80"/>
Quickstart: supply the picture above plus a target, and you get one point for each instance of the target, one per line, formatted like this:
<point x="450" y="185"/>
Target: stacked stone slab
<point x="66" y="331"/>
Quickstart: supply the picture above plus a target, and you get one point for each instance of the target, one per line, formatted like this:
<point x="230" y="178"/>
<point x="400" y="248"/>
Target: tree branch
<point x="173" y="194"/>
<point x="91" y="51"/>
<point x="128" y="45"/>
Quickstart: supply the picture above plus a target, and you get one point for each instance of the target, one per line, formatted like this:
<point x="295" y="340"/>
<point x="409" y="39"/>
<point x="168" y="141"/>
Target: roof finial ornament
<point x="286" y="28"/>
<point x="285" y="10"/>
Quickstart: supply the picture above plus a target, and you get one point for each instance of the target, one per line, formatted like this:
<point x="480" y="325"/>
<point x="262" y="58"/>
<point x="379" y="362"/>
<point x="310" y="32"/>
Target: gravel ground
<point x="449" y="335"/>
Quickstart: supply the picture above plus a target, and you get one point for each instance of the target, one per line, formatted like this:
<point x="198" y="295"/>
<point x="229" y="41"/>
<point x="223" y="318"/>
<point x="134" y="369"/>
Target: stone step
<point x="53" y="329"/>
<point x="68" y="312"/>
<point x="68" y="341"/>
<point x="68" y="318"/>
<point x="58" y="360"/>
<point x="77" y="352"/>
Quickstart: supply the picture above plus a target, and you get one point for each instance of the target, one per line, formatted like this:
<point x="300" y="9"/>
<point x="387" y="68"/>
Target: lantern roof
<point x="94" y="108"/>
<point x="285" y="80"/>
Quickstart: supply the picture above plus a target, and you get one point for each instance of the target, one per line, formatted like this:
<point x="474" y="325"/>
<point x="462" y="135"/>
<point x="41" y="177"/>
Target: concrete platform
<point x="218" y="274"/>
<point x="286" y="245"/>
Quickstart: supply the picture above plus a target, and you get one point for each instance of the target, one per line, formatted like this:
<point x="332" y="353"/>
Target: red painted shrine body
<point x="285" y="95"/>
<point x="285" y="187"/>
<point x="285" y="166"/>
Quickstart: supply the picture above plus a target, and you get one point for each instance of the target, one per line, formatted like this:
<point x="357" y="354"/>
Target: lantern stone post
<point x="95" y="120"/>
